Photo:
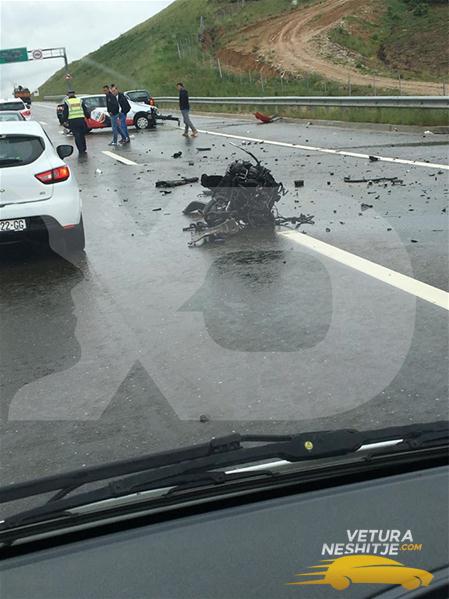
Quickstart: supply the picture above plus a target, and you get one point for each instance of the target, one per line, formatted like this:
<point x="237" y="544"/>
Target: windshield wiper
<point x="198" y="464"/>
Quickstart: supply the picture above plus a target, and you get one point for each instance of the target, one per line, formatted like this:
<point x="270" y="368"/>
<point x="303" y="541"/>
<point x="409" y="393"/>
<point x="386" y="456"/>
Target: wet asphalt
<point x="144" y="344"/>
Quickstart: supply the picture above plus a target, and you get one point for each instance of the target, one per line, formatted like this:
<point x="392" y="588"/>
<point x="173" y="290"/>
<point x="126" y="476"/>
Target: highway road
<point x="145" y="344"/>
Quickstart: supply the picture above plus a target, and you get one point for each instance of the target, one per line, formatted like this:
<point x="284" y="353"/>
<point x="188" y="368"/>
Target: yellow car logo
<point x="365" y="569"/>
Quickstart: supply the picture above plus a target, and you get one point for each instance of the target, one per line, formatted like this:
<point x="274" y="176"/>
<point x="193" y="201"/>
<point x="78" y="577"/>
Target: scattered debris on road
<point x="364" y="206"/>
<point x="244" y="197"/>
<point x="177" y="182"/>
<point x="156" y="209"/>
<point x="177" y="155"/>
<point x="299" y="183"/>
<point x="204" y="149"/>
<point x="394" y="180"/>
<point x="302" y="219"/>
<point x="373" y="158"/>
<point x="265" y="119"/>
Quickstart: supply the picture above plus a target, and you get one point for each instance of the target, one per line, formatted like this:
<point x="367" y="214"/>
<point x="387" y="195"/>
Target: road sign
<point x="37" y="54"/>
<point x="13" y="55"/>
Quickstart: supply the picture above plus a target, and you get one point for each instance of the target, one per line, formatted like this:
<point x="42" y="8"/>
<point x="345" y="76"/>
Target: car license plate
<point x="15" y="224"/>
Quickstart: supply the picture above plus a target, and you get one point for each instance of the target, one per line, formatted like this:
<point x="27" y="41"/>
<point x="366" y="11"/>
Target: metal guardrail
<point x="343" y="101"/>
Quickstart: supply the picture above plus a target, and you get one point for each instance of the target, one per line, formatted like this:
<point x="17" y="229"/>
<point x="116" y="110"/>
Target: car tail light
<point x="55" y="175"/>
<point x="152" y="103"/>
<point x="25" y="112"/>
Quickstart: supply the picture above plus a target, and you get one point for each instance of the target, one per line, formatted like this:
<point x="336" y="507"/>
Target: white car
<point x="17" y="105"/>
<point x="141" y="115"/>
<point x="38" y="191"/>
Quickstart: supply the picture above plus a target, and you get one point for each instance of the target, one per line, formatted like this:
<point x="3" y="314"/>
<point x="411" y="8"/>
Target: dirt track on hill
<point x="289" y="43"/>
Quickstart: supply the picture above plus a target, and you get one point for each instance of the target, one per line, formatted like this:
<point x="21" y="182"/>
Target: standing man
<point x="74" y="113"/>
<point x="113" y="108"/>
<point x="184" y="106"/>
<point x="125" y="107"/>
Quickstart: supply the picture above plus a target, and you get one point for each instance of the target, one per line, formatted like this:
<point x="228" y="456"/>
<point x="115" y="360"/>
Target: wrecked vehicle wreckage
<point x="245" y="197"/>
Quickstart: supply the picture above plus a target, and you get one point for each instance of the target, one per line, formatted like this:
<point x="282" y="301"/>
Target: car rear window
<point x="97" y="102"/>
<point x="138" y="96"/>
<point x="12" y="116"/>
<point x="12" y="106"/>
<point x="18" y="150"/>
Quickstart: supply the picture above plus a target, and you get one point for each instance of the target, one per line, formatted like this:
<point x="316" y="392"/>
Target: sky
<point x="81" y="26"/>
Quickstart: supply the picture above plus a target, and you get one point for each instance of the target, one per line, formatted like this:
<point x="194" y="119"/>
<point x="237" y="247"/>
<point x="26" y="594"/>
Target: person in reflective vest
<point x="74" y="114"/>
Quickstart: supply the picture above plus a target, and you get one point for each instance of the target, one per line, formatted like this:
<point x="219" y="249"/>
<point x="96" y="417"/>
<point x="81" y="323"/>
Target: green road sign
<point x="13" y="55"/>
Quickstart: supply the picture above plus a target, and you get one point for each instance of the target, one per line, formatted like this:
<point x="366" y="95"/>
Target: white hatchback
<point x="38" y="191"/>
<point x="17" y="105"/>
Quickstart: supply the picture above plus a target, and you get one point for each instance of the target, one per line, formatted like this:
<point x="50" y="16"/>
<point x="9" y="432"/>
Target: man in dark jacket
<point x="125" y="107"/>
<point x="73" y="113"/>
<point x="184" y="106"/>
<point x="113" y="108"/>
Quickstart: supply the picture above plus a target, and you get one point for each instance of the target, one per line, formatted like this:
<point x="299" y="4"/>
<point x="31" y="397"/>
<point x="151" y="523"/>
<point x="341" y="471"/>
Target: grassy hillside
<point x="401" y="37"/>
<point x="148" y="55"/>
<point x="182" y="43"/>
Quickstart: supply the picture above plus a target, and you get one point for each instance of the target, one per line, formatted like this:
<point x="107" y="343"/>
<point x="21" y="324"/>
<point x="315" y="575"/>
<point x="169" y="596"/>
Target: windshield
<point x="12" y="106"/>
<point x="138" y="96"/>
<point x="265" y="253"/>
<point x="10" y="116"/>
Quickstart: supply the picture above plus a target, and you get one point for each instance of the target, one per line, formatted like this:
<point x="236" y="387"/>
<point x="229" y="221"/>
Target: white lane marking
<point x="435" y="296"/>
<point x="43" y="123"/>
<point x="119" y="158"/>
<point x="326" y="150"/>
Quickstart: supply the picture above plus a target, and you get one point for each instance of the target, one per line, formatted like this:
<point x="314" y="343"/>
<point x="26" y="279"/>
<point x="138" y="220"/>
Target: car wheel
<point x="142" y="121"/>
<point x="340" y="584"/>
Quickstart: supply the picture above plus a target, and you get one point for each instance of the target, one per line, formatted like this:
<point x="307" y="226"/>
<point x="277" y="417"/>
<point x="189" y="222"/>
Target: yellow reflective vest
<point x="75" y="108"/>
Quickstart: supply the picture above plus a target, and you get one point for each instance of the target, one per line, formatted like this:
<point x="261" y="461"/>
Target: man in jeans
<point x="113" y="108"/>
<point x="125" y="107"/>
<point x="184" y="106"/>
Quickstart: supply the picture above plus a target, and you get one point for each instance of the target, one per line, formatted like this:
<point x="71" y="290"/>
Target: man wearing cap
<point x="74" y="114"/>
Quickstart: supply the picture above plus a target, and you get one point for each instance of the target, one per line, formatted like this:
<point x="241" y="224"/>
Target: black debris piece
<point x="156" y="209"/>
<point x="328" y="230"/>
<point x="177" y="155"/>
<point x="194" y="206"/>
<point x="177" y="183"/>
<point x="204" y="418"/>
<point x="204" y="149"/>
<point x="165" y="191"/>
<point x="302" y="219"/>
<point x="364" y="206"/>
<point x="191" y="163"/>
<point x="393" y="180"/>
<point x="299" y="183"/>
<point x="373" y="158"/>
<point x="414" y="240"/>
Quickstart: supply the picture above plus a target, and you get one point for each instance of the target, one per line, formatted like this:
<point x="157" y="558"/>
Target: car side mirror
<point x="64" y="151"/>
